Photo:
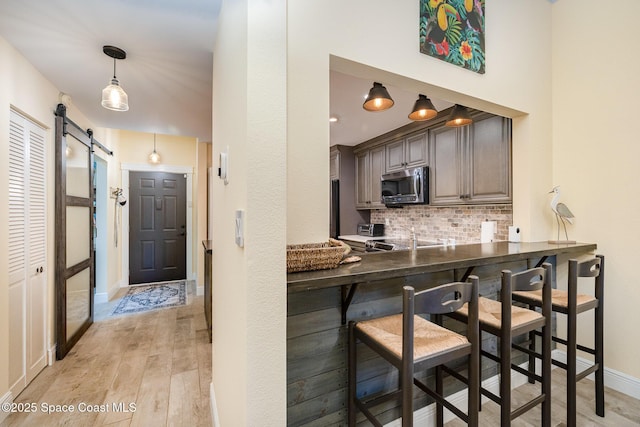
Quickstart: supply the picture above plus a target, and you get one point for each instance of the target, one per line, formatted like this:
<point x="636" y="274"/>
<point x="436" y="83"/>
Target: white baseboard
<point x="213" y="406"/>
<point x="616" y="380"/>
<point x="7" y="398"/>
<point x="101" y="298"/>
<point x="200" y="290"/>
<point x="51" y="355"/>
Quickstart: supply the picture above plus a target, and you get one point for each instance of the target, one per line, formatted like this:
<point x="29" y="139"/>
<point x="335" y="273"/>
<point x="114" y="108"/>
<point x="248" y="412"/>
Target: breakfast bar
<point x="321" y="302"/>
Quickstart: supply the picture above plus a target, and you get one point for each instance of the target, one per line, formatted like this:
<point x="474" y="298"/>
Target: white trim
<point x="124" y="236"/>
<point x="51" y="355"/>
<point x="613" y="379"/>
<point x="213" y="406"/>
<point x="7" y="398"/>
<point x="199" y="290"/>
<point x="100" y="298"/>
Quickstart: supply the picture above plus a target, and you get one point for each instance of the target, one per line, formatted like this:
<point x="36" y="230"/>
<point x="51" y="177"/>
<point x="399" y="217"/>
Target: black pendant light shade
<point x="423" y="109"/>
<point x="378" y="99"/>
<point x="459" y="117"/>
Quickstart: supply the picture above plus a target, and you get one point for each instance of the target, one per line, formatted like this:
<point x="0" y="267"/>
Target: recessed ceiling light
<point x="333" y="119"/>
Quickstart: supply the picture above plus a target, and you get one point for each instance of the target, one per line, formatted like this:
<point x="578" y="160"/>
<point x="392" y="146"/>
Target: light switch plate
<point x="240" y="228"/>
<point x="223" y="170"/>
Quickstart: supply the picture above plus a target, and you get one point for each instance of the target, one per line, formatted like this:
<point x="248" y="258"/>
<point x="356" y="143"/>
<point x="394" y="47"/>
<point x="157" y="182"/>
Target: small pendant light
<point x="459" y="117"/>
<point x="378" y="99"/>
<point x="113" y="96"/>
<point x="423" y="109"/>
<point x="154" y="157"/>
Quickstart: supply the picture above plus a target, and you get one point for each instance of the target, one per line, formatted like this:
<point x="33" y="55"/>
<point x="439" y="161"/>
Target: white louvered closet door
<point x="27" y="256"/>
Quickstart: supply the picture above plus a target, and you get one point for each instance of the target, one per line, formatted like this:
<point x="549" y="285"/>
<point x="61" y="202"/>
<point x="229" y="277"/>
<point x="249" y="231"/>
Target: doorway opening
<point x="187" y="173"/>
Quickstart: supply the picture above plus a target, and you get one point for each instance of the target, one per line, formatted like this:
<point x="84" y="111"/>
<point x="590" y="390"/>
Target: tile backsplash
<point x="461" y="223"/>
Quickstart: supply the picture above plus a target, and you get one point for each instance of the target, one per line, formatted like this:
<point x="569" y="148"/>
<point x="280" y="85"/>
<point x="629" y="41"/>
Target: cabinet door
<point x="395" y="156"/>
<point x="490" y="166"/>
<point x="334" y="164"/>
<point x="446" y="181"/>
<point x="416" y="150"/>
<point x="362" y="181"/>
<point x="377" y="165"/>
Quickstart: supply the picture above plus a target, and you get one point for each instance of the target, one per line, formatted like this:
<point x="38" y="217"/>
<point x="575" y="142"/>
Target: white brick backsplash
<point x="455" y="222"/>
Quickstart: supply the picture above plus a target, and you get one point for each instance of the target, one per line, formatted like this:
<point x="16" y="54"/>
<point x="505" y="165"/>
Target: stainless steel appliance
<point x="372" y="230"/>
<point x="408" y="186"/>
<point x="396" y="245"/>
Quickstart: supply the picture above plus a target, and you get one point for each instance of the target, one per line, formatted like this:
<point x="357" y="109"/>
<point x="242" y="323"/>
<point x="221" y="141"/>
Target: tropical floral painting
<point x="453" y="30"/>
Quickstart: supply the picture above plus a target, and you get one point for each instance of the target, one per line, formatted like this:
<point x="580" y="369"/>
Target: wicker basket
<point x="315" y="256"/>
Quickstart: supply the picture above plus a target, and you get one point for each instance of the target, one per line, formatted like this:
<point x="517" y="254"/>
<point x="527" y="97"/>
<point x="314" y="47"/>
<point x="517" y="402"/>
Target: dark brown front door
<point x="157" y="221"/>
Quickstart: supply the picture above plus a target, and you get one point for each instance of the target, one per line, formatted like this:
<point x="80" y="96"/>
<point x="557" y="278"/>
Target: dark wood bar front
<point x="321" y="302"/>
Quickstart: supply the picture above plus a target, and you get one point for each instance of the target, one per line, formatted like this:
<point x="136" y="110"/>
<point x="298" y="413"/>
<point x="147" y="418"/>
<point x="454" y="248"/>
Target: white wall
<point x="249" y="291"/>
<point x="595" y="155"/>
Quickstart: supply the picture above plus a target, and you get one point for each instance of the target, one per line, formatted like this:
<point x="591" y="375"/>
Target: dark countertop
<point x="384" y="265"/>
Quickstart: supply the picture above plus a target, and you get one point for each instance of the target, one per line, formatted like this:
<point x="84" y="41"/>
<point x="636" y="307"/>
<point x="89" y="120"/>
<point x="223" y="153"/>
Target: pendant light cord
<point x="114" y="68"/>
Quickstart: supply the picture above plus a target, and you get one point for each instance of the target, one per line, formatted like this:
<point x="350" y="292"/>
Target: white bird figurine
<point x="561" y="210"/>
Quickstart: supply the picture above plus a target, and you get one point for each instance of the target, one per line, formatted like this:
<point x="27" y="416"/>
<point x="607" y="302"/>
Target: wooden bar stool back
<point x="506" y="321"/>
<point x="571" y="303"/>
<point x="411" y="344"/>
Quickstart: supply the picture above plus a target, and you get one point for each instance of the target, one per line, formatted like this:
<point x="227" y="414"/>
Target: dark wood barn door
<point x="157" y="227"/>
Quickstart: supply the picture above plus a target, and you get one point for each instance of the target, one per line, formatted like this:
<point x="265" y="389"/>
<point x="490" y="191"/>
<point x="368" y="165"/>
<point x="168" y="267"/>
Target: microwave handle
<point x="416" y="184"/>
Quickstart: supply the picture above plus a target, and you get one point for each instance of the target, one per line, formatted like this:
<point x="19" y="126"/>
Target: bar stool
<point x="571" y="303"/>
<point x="411" y="344"/>
<point x="505" y="321"/>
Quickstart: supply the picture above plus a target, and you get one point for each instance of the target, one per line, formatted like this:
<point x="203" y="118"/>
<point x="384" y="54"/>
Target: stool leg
<point x="599" y="359"/>
<point x="505" y="378"/>
<point x="352" y="376"/>
<point x="439" y="391"/>
<point x="532" y="358"/>
<point x="571" y="366"/>
<point x="546" y="372"/>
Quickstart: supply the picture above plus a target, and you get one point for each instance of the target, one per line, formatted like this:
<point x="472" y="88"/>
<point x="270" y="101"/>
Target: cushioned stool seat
<point x="490" y="314"/>
<point x="429" y="338"/>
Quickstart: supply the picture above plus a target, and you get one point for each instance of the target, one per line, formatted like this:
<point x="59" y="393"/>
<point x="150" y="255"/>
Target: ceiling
<point x="167" y="73"/>
<point x="355" y="124"/>
<point x="168" y="70"/>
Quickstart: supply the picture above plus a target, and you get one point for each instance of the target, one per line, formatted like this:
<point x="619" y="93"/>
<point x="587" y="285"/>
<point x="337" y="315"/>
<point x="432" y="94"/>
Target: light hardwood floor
<point x="159" y="361"/>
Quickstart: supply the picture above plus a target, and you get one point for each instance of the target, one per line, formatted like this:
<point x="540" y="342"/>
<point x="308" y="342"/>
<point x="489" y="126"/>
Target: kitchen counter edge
<point x="385" y="265"/>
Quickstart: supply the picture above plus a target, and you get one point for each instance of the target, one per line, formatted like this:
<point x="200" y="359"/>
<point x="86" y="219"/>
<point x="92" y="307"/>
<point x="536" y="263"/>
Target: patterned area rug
<point x="152" y="297"/>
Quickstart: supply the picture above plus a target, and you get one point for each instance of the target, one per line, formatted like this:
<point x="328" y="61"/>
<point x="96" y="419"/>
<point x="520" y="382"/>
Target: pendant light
<point x="113" y="96"/>
<point x="154" y="157"/>
<point x="459" y="117"/>
<point x="378" y="99"/>
<point x="423" y="109"/>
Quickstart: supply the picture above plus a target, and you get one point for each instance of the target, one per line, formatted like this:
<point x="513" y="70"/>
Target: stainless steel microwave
<point x="405" y="187"/>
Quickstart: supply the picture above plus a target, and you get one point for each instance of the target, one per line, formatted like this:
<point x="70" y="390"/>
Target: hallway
<point x="143" y="369"/>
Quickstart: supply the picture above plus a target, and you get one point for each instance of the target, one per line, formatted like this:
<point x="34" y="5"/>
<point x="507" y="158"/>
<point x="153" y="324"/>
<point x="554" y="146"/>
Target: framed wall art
<point x="453" y="31"/>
